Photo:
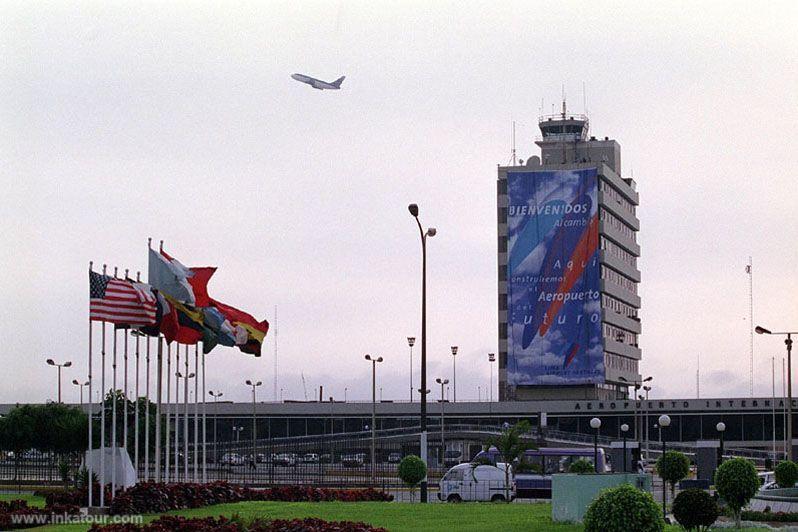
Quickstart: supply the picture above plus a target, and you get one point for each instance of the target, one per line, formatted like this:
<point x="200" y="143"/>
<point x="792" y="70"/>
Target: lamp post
<point x="624" y="430"/>
<point x="491" y="360"/>
<point x="374" y="362"/>
<point x="430" y="232"/>
<point x="788" y="343"/>
<point x="215" y="395"/>
<point x="443" y="382"/>
<point x="637" y="385"/>
<point x="595" y="424"/>
<point x="454" y="373"/>
<point x="59" y="366"/>
<point x="411" y="340"/>
<point x="81" y="384"/>
<point x="254" y="386"/>
<point x="237" y="432"/>
<point x="664" y="423"/>
<point x="721" y="428"/>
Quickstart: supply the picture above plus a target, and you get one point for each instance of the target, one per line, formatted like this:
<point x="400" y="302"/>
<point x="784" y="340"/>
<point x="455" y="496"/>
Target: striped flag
<point x="120" y="301"/>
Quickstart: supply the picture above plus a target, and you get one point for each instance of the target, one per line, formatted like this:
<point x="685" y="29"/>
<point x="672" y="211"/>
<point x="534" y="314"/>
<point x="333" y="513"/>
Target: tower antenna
<point x="276" y="382"/>
<point x="512" y="144"/>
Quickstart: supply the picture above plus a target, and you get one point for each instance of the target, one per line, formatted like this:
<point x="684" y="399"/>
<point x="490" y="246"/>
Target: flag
<point x="221" y="327"/>
<point x="120" y="301"/>
<point x="170" y="277"/>
<point x="185" y="323"/>
<point x="748" y="268"/>
<point x="250" y="332"/>
<point x="199" y="284"/>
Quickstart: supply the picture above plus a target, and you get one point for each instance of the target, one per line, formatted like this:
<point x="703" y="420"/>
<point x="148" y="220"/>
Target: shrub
<point x="672" y="467"/>
<point x="525" y="466"/>
<point x="736" y="482"/>
<point x="780" y="517"/>
<point x="786" y="474"/>
<point x="14" y="514"/>
<point x="168" y="523"/>
<point x="695" y="509"/>
<point x="581" y="466"/>
<point x="412" y="470"/>
<point x="623" y="509"/>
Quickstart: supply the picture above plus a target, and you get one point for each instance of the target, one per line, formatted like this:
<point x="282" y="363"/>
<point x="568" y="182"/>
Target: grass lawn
<point x="33" y="500"/>
<point x="393" y="516"/>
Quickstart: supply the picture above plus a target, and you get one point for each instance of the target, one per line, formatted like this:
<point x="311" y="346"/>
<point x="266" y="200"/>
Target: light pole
<point x="443" y="382"/>
<point x="454" y="373"/>
<point x="374" y="362"/>
<point x="637" y="385"/>
<point x="491" y="360"/>
<point x="345" y="390"/>
<point x="81" y="384"/>
<point x="788" y="343"/>
<point x="595" y="424"/>
<point x="721" y="428"/>
<point x="430" y="232"/>
<point x="215" y="395"/>
<point x="664" y="423"/>
<point x="411" y="340"/>
<point x="624" y="430"/>
<point x="254" y="426"/>
<point x="237" y="432"/>
<point x="59" y="366"/>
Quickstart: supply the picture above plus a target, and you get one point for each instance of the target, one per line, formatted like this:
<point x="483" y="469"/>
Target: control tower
<point x="567" y="257"/>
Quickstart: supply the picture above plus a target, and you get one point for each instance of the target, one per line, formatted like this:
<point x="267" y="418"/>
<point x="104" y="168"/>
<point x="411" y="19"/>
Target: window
<point x="502" y="244"/>
<point x="621" y="363"/>
<point x="616" y="223"/>
<point x="619" y="335"/>
<point x="608" y="274"/>
<point x="616" y="305"/>
<point x="619" y="198"/>
<point x="618" y="252"/>
<point x="454" y="475"/>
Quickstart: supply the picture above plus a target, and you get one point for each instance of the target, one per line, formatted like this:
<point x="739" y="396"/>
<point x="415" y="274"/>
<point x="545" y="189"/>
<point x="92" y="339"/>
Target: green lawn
<point x="33" y="500"/>
<point x="393" y="516"/>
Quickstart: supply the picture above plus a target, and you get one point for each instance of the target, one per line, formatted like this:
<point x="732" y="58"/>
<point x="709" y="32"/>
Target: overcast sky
<point x="121" y="121"/>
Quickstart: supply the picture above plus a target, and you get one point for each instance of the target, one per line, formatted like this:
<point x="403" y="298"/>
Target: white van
<point x="469" y="482"/>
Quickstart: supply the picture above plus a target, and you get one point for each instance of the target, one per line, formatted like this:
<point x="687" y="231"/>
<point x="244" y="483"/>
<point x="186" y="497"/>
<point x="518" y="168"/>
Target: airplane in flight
<point x="319" y="84"/>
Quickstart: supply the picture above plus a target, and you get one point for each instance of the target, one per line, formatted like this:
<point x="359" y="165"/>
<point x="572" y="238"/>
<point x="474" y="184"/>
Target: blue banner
<point x="553" y="276"/>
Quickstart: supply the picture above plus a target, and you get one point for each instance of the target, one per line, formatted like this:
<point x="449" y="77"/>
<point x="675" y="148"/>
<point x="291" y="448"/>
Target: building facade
<point x="568" y="318"/>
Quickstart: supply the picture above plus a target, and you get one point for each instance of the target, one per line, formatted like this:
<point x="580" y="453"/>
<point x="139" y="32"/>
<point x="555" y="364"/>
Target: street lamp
<point x="664" y="423"/>
<point x="721" y="428"/>
<point x="491" y="360"/>
<point x="639" y="433"/>
<point x="254" y="386"/>
<point x="411" y="340"/>
<point x="374" y="362"/>
<point x="624" y="430"/>
<point x="595" y="424"/>
<point x="430" y="232"/>
<point x="788" y="343"/>
<point x="237" y="431"/>
<point x="59" y="366"/>
<point x="215" y="395"/>
<point x="81" y="384"/>
<point x="443" y="382"/>
<point x="454" y="372"/>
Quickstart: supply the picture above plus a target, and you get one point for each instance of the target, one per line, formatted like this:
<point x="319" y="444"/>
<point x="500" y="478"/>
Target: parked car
<point x="325" y="458"/>
<point x="285" y="459"/>
<point x="310" y="458"/>
<point x="260" y="458"/>
<point x="472" y="482"/>
<point x="394" y="458"/>
<point x="233" y="459"/>
<point x="353" y="460"/>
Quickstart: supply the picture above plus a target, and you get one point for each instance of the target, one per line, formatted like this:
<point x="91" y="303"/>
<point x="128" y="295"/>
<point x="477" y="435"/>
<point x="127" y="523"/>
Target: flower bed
<point x="169" y="523"/>
<point x="152" y="497"/>
<point x="17" y="514"/>
<point x="776" y="517"/>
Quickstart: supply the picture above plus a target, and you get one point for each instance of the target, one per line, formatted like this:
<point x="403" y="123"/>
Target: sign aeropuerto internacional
<point x="553" y="276"/>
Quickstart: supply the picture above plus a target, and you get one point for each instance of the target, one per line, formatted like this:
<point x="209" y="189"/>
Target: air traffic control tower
<point x="568" y="276"/>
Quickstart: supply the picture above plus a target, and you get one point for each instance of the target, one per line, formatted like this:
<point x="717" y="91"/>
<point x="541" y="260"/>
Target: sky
<point x="121" y="122"/>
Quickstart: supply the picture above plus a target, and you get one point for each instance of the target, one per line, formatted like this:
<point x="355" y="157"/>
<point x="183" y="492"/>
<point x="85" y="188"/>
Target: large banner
<point x="554" y="304"/>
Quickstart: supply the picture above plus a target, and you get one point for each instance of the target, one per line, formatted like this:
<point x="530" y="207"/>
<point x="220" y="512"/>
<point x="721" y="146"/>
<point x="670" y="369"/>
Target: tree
<point x="412" y="470"/>
<point x="673" y="467"/>
<point x="581" y="466"/>
<point x="511" y="447"/>
<point x="17" y="434"/>
<point x="786" y="474"/>
<point x="695" y="509"/>
<point x="736" y="481"/>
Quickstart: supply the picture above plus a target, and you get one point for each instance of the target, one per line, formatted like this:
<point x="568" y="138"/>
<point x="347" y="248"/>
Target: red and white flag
<point x="120" y="301"/>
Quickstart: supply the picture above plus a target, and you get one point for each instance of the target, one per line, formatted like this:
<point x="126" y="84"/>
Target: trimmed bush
<point x="779" y="517"/>
<point x="13" y="514"/>
<point x="695" y="509"/>
<point x="412" y="470"/>
<point x="736" y="481"/>
<point x="623" y="509"/>
<point x="581" y="466"/>
<point x="786" y="474"/>
<point x="168" y="523"/>
<point x="673" y="467"/>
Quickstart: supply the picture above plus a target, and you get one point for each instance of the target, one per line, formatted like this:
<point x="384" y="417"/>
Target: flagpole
<point x="196" y="412"/>
<point x="158" y="390"/>
<point x="102" y="416"/>
<point x="136" y="403"/>
<point x="204" y="423"/>
<point x="124" y="408"/>
<point x="185" y="421"/>
<point x="176" y="407"/>
<point x="113" y="416"/>
<point x="91" y="439"/>
<point x="147" y="411"/>
<point x="168" y="409"/>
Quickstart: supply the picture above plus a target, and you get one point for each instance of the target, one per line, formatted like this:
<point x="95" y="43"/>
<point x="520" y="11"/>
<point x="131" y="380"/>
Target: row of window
<point x="616" y="305"/>
<point x="608" y="274"/>
<point x="619" y="335"/>
<point x="620" y="363"/>
<point x="616" y="223"/>
<point x="612" y="193"/>
<point x="618" y="252"/>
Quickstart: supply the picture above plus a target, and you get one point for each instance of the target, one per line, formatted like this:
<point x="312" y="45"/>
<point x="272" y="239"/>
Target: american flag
<point x="120" y="301"/>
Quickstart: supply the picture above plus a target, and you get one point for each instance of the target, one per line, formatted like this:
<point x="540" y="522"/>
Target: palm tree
<point x="511" y="447"/>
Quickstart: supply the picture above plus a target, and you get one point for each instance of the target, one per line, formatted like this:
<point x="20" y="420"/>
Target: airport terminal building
<point x="568" y="320"/>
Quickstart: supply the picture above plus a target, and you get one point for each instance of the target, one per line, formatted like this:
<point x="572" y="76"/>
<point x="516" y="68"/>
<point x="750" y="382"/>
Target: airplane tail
<point x="338" y="81"/>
